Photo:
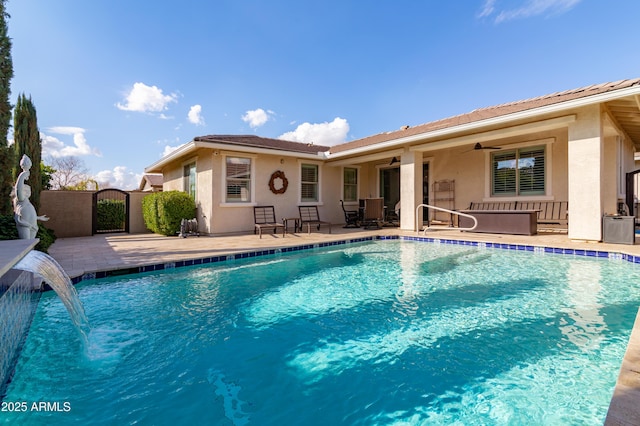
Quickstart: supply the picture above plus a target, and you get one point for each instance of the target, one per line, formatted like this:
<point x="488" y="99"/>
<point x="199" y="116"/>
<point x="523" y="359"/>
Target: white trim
<point x="318" y="202"/>
<point x="243" y="204"/>
<point x="252" y="195"/>
<point x="548" y="174"/>
<point x="367" y="158"/>
<point x="493" y="135"/>
<point x="194" y="145"/>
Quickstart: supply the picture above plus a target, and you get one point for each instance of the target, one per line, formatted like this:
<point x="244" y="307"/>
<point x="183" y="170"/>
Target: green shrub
<point x="9" y="231"/>
<point x="111" y="214"/>
<point x="46" y="236"/>
<point x="163" y="211"/>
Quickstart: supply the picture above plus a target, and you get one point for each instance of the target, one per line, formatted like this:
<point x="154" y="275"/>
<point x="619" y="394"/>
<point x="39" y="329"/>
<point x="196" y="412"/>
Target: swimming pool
<point x="389" y="332"/>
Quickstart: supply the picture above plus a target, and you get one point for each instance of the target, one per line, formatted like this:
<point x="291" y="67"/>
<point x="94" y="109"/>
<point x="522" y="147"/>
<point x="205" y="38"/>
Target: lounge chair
<point x="264" y="217"/>
<point x="351" y="217"/>
<point x="309" y="216"/>
<point x="373" y="212"/>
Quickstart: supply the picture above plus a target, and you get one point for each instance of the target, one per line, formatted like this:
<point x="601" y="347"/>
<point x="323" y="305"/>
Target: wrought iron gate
<point x="110" y="211"/>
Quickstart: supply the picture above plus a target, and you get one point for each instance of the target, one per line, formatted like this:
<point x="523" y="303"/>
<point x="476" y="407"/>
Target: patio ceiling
<point x="626" y="114"/>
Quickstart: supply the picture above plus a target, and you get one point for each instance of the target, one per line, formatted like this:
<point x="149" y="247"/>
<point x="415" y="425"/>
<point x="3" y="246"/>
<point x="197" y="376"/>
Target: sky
<point x="120" y="83"/>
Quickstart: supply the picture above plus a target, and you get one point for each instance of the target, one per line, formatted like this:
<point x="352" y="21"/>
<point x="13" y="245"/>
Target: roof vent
<point x="404" y="127"/>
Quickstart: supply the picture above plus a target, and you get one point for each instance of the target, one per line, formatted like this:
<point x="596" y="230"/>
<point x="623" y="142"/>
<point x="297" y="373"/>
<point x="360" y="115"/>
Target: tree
<point x="70" y="173"/>
<point x="6" y="153"/>
<point x="27" y="142"/>
<point x="88" y="184"/>
<point x="46" y="172"/>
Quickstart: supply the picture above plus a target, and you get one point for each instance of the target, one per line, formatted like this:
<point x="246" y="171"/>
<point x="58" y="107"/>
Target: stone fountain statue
<point x="24" y="213"/>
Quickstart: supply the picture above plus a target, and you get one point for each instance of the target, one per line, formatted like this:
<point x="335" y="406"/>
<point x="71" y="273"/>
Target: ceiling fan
<point x="479" y="146"/>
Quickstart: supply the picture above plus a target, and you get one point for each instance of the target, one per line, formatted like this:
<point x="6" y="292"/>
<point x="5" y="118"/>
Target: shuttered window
<point x="350" y="189"/>
<point x="518" y="172"/>
<point x="238" y="175"/>
<point x="531" y="171"/>
<point x="309" y="183"/>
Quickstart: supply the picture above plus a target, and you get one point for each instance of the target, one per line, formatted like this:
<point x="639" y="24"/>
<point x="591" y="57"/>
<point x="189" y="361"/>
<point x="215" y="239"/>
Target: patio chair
<point x="264" y="217"/>
<point x="309" y="216"/>
<point x="351" y="217"/>
<point x="373" y="212"/>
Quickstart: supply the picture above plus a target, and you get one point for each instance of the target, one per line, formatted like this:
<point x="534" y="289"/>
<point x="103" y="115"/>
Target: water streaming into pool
<point x="48" y="268"/>
<point x="391" y="332"/>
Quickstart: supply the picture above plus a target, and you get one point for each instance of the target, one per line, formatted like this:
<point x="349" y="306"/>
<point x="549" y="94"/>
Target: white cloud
<point x="487" y="9"/>
<point x="257" y="117"/>
<point x="320" y="133"/>
<point x="119" y="178"/>
<point x="169" y="149"/>
<point x="54" y="147"/>
<point x="143" y="98"/>
<point x="527" y="8"/>
<point x="195" y="115"/>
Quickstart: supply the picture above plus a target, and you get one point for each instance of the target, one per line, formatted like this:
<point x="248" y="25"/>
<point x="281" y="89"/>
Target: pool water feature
<point x="391" y="332"/>
<point x="47" y="267"/>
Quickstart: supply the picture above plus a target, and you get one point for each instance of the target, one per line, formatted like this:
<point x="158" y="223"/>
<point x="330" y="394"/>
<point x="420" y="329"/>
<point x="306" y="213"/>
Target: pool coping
<point x="592" y="253"/>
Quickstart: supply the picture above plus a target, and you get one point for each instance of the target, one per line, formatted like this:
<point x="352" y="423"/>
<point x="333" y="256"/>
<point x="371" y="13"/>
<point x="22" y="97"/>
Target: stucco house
<point x="151" y="182"/>
<point x="575" y="146"/>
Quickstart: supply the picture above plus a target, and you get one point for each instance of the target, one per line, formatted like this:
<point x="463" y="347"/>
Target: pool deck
<point x="80" y="256"/>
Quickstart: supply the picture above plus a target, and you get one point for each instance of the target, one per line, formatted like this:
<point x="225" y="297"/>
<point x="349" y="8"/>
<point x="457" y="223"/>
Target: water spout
<point x="46" y="266"/>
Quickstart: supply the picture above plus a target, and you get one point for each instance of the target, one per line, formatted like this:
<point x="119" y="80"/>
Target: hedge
<point x="111" y="215"/>
<point x="163" y="211"/>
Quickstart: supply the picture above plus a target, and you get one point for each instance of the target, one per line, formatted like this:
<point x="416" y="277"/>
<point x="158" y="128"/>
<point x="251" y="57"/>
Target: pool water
<point x="389" y="332"/>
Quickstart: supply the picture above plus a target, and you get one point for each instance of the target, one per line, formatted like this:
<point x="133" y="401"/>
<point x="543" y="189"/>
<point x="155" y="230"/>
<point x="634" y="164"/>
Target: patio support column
<point x="586" y="174"/>
<point x="410" y="188"/>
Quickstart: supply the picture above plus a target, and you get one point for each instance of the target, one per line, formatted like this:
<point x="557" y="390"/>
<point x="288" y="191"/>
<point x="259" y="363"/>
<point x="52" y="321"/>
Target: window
<point x="518" y="172"/>
<point x="238" y="180"/>
<point x="350" y="184"/>
<point x="309" y="183"/>
<point x="189" y="174"/>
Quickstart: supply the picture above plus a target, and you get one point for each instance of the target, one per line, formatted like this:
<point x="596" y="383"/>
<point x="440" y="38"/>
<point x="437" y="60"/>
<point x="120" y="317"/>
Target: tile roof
<point x="266" y="143"/>
<point x="154" y="180"/>
<point x="487" y="113"/>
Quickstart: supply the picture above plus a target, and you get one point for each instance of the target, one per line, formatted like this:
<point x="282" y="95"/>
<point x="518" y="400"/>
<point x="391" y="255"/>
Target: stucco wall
<point x="471" y="168"/>
<point x="229" y="217"/>
<point x="585" y="172"/>
<point x="218" y="217"/>
<point x="136" y="220"/>
<point x="70" y="212"/>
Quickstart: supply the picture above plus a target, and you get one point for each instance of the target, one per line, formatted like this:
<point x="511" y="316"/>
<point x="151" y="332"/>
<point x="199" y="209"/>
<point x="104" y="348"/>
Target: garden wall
<point x="71" y="212"/>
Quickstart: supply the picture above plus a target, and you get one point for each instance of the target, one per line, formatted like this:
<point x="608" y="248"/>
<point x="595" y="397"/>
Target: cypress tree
<point x="27" y="141"/>
<point x="6" y="153"/>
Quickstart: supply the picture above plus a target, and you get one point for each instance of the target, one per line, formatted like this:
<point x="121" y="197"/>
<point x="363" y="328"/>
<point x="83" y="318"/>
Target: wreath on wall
<point x="278" y="174"/>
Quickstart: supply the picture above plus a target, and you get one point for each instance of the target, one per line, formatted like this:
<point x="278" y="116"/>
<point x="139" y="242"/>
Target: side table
<point x="296" y="224"/>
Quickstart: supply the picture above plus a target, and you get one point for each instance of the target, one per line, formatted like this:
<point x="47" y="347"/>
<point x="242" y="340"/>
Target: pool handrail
<point x="429" y="206"/>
